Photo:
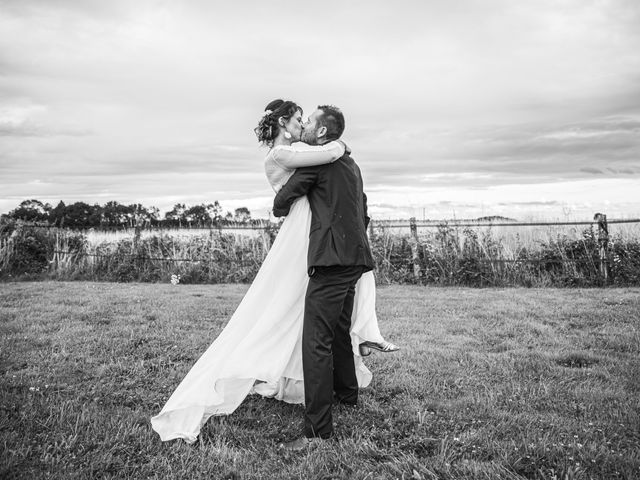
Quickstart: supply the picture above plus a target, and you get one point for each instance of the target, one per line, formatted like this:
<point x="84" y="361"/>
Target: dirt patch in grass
<point x="576" y="360"/>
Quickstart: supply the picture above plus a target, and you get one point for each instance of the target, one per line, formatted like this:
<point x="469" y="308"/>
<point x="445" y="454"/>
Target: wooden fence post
<point x="415" y="246"/>
<point x="136" y="237"/>
<point x="603" y="242"/>
<point x="267" y="235"/>
<point x="136" y="248"/>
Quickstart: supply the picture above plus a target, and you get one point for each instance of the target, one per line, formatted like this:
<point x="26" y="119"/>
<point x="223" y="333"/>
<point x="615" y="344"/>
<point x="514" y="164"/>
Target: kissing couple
<point x="301" y="331"/>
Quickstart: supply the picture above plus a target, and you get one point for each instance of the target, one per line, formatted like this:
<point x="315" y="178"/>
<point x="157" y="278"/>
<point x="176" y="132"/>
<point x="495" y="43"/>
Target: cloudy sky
<point x="465" y="108"/>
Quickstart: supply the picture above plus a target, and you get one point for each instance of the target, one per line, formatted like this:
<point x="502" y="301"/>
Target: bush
<point x="625" y="262"/>
<point x="24" y="251"/>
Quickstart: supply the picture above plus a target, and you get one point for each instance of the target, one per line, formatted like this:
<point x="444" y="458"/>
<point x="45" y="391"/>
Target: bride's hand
<point x="347" y="150"/>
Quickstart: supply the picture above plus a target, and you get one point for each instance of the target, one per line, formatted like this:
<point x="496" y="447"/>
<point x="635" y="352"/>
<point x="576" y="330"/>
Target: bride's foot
<point x="384" y="346"/>
<point x="364" y="350"/>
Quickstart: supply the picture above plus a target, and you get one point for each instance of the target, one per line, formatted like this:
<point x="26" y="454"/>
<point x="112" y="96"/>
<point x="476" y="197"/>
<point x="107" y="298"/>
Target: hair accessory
<point x="267" y="113"/>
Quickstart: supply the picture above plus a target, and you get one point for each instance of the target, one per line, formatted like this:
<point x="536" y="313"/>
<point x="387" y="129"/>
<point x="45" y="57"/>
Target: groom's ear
<point x="321" y="132"/>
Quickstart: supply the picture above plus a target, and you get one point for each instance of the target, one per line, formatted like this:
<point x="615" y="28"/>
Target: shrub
<point x="25" y="252"/>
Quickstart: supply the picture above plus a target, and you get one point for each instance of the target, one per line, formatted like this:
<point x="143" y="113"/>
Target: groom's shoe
<point x="350" y="403"/>
<point x="302" y="443"/>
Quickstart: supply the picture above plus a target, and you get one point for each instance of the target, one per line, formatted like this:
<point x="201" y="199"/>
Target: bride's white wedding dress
<point x="259" y="351"/>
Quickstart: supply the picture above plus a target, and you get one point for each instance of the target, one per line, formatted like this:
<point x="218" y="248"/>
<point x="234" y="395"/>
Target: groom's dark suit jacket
<point x="338" y="234"/>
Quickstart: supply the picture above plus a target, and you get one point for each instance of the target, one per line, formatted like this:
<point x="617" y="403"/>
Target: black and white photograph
<point x="360" y="240"/>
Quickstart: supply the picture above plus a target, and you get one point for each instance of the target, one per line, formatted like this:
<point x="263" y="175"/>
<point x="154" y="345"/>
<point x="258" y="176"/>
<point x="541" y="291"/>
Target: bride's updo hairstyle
<point x="268" y="128"/>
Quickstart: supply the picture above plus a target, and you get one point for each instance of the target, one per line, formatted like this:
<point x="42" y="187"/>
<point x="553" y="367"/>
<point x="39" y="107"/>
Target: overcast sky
<point x="466" y="108"/>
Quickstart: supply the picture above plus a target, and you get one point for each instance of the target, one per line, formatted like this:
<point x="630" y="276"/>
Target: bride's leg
<point x="364" y="321"/>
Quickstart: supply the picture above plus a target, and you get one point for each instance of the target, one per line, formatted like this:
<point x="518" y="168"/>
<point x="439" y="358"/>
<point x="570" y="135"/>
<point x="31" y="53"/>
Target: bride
<point x="260" y="349"/>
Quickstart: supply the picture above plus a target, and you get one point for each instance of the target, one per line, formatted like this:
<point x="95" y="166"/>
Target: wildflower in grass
<point x="175" y="279"/>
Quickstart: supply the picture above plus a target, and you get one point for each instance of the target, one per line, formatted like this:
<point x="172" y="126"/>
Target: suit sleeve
<point x="298" y="185"/>
<point x="367" y="219"/>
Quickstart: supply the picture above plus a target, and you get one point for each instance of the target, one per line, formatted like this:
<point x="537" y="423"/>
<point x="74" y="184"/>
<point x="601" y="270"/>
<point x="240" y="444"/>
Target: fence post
<point x="266" y="234"/>
<point x="415" y="246"/>
<point x="603" y="242"/>
<point x="136" y="237"/>
<point x="136" y="249"/>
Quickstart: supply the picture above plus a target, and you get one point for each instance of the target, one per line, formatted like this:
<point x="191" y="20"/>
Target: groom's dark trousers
<point x="338" y="254"/>
<point x="327" y="356"/>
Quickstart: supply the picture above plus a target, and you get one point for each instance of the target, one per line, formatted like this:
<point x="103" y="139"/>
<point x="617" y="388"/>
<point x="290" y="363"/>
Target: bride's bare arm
<point x="303" y="155"/>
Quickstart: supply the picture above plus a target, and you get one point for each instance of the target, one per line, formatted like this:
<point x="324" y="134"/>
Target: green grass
<point x="496" y="383"/>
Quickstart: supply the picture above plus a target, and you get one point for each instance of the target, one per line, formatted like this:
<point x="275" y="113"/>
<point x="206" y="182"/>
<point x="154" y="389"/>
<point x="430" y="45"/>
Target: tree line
<point x="115" y="215"/>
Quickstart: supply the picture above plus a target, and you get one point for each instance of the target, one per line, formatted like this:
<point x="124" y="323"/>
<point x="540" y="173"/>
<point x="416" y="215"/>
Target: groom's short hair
<point x="333" y="120"/>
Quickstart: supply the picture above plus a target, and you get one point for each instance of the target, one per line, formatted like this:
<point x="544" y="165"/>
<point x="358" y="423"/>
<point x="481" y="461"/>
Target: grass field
<point x="490" y="384"/>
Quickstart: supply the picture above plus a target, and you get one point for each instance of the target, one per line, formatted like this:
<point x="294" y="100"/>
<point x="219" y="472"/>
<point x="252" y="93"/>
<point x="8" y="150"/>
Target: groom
<point x="338" y="255"/>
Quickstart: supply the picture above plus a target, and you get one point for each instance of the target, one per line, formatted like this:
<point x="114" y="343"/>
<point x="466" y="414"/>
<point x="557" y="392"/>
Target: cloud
<point x="8" y="128"/>
<point x="30" y="129"/>
<point x="625" y="171"/>
<point x="531" y="204"/>
<point x="595" y="171"/>
<point x="109" y="97"/>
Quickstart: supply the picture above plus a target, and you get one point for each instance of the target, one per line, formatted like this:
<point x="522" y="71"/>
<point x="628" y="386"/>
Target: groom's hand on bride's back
<point x="281" y="212"/>
<point x="298" y="185"/>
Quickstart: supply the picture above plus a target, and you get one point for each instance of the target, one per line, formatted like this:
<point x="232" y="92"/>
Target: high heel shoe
<point x="384" y="346"/>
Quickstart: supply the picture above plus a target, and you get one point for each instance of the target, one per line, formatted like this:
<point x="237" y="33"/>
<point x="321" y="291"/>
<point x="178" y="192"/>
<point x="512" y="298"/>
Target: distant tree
<point x="95" y="215"/>
<point x="115" y="214"/>
<point x="495" y="218"/>
<point x="198" y="215"/>
<point x="82" y="215"/>
<point x="142" y="216"/>
<point x="175" y="216"/>
<point x="56" y="217"/>
<point x="242" y="215"/>
<point x="215" y="211"/>
<point x="153" y="215"/>
<point x="31" y="211"/>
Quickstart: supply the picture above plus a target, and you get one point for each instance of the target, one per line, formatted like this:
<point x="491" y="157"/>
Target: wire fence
<point x="451" y="252"/>
<point x="259" y="225"/>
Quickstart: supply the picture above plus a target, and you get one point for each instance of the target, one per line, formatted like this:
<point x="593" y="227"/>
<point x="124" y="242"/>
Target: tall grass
<point x="482" y="256"/>
<point x="447" y="255"/>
